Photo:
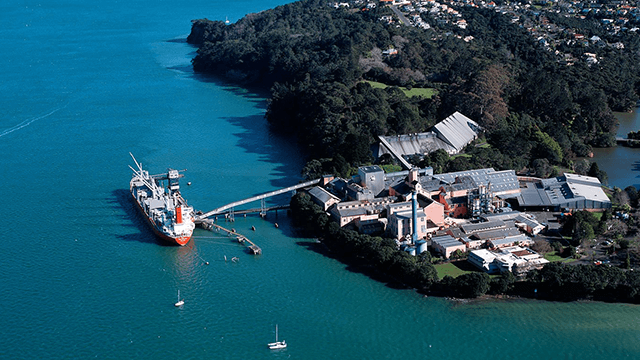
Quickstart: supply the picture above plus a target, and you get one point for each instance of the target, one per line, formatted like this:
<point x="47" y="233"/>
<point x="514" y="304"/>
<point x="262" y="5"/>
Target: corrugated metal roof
<point x="529" y="222"/>
<point x="477" y="174"/>
<point x="557" y="191"/>
<point x="458" y="130"/>
<point x="533" y="195"/>
<point x="501" y="181"/>
<point x="419" y="143"/>
<point x="483" y="226"/>
<point x="502" y="215"/>
<point x="321" y="194"/>
<point x="495" y="234"/>
<point x="520" y="238"/>
<point x="446" y="241"/>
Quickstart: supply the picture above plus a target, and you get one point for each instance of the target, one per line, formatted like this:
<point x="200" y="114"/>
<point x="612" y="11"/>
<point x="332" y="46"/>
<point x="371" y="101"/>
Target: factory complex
<point x="479" y="212"/>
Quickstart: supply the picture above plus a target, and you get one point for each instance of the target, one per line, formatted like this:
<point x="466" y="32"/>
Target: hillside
<point x="539" y="111"/>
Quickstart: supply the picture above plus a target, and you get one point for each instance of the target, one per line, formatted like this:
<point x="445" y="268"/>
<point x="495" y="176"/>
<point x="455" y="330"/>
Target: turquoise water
<point x="83" y="84"/>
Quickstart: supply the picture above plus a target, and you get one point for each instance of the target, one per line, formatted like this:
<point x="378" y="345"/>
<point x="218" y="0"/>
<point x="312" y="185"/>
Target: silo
<point x="421" y="246"/>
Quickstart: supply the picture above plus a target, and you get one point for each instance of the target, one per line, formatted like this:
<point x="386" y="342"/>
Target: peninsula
<point x="533" y="85"/>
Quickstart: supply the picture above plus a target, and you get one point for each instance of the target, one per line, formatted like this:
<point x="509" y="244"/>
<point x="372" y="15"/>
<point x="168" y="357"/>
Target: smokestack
<point x="179" y="215"/>
<point x="414" y="195"/>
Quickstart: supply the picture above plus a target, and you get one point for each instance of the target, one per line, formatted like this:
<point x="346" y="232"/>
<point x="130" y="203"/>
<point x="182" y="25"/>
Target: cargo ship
<point x="158" y="198"/>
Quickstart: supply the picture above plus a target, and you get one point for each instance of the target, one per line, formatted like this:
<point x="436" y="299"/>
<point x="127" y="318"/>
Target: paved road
<point x="402" y="18"/>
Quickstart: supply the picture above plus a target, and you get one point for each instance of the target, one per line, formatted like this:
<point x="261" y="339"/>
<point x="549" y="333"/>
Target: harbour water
<point x="84" y="83"/>
<point x="621" y="163"/>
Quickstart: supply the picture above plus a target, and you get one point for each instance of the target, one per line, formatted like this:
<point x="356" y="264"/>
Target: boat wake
<point x="29" y="122"/>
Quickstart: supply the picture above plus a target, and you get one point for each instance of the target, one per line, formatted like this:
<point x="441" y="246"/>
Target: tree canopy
<point x="315" y="57"/>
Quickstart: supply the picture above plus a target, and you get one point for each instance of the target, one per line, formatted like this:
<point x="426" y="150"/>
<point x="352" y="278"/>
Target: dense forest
<point x="539" y="113"/>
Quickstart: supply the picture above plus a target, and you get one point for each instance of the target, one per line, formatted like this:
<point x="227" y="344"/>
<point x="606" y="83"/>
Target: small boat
<point x="180" y="302"/>
<point x="226" y="20"/>
<point x="278" y="344"/>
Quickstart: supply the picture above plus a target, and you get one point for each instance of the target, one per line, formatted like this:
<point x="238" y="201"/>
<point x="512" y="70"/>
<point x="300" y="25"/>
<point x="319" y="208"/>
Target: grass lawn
<point x="454" y="269"/>
<point x="391" y="168"/>
<point x="460" y="155"/>
<point x="424" y="92"/>
<point x="553" y="257"/>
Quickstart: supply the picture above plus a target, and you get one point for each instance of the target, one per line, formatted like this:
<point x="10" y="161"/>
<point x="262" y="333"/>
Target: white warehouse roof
<point x="458" y="130"/>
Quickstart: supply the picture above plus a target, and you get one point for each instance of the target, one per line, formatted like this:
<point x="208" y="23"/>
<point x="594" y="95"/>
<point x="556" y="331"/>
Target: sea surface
<point x="84" y="83"/>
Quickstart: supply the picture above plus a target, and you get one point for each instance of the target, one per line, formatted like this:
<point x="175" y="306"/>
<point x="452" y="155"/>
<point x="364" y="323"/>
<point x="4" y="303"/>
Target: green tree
<point x="596" y="172"/>
<point x="312" y="170"/>
<point x="471" y="285"/>
<point x="627" y="261"/>
<point x="541" y="167"/>
<point x="632" y="192"/>
<point x="503" y="283"/>
<point x="548" y="148"/>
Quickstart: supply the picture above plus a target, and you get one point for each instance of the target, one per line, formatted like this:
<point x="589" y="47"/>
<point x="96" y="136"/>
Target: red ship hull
<point x="182" y="240"/>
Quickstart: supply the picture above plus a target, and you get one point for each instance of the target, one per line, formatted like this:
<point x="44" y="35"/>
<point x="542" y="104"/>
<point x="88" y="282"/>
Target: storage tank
<point x="411" y="250"/>
<point x="421" y="246"/>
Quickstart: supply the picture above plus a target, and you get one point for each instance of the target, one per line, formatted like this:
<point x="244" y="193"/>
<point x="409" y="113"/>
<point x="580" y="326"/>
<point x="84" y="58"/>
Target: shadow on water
<point x="181" y="40"/>
<point x="251" y="92"/>
<point x="635" y="167"/>
<point x="306" y="240"/>
<point x="133" y="219"/>
<point x="353" y="265"/>
<point x="288" y="229"/>
<point x="276" y="148"/>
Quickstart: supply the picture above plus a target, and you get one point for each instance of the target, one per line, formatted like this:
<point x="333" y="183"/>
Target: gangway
<point x="221" y="209"/>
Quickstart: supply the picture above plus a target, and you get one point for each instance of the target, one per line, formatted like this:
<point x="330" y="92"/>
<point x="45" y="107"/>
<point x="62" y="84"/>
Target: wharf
<point x="208" y="224"/>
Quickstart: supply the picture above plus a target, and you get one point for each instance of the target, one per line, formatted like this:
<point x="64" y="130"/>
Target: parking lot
<point x="596" y="252"/>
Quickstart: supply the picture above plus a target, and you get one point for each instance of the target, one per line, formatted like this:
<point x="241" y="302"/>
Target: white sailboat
<point x="180" y="302"/>
<point x="278" y="344"/>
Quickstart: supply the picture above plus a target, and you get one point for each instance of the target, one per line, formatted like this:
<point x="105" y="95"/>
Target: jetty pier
<point x="203" y="219"/>
<point x="221" y="210"/>
<point x="210" y="225"/>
